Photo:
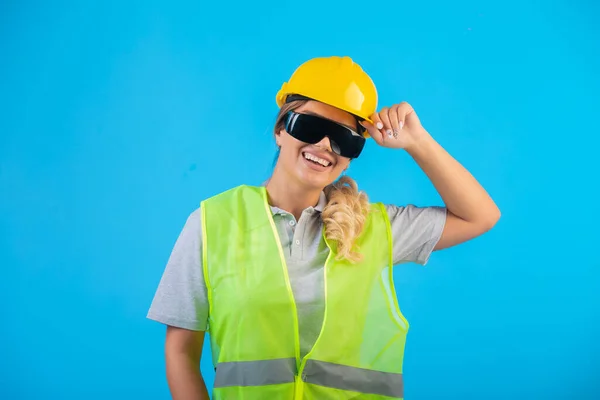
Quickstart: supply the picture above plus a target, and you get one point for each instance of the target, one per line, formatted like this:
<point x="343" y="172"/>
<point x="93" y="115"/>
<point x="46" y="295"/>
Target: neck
<point x="289" y="196"/>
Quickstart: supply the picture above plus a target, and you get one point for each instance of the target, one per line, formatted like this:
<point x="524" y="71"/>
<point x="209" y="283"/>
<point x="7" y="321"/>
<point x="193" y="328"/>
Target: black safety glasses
<point x="312" y="129"/>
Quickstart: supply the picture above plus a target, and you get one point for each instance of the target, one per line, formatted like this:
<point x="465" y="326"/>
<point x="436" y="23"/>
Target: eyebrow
<point x="314" y="114"/>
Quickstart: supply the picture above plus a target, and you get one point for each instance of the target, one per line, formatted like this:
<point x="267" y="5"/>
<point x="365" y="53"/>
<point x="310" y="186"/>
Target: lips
<point x="316" y="159"/>
<point x="318" y="154"/>
<point x="314" y="165"/>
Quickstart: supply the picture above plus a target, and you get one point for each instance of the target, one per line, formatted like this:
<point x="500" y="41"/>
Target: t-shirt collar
<point x="319" y="207"/>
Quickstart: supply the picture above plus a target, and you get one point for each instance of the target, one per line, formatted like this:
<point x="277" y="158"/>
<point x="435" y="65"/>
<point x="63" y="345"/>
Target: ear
<point x="278" y="136"/>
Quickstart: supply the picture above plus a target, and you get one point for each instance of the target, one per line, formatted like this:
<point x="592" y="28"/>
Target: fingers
<point x="384" y="116"/>
<point x="394" y="121"/>
<point x="375" y="133"/>
<point x="394" y="118"/>
<point x="388" y="122"/>
<point x="402" y="111"/>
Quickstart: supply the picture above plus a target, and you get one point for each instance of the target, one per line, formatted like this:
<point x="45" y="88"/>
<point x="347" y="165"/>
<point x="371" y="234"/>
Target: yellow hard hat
<point x="337" y="81"/>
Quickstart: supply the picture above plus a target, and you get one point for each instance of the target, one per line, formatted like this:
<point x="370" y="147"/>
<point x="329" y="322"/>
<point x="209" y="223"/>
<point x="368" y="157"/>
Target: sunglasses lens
<point x="334" y="147"/>
<point x="312" y="129"/>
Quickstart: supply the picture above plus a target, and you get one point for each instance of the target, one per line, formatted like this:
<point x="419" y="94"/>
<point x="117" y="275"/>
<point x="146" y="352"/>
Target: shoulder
<point x="415" y="231"/>
<point x="195" y="218"/>
<point x="238" y="192"/>
<point x="192" y="228"/>
<point x="411" y="212"/>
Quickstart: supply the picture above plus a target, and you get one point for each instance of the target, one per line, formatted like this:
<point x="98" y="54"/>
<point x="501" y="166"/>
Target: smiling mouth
<point x="316" y="160"/>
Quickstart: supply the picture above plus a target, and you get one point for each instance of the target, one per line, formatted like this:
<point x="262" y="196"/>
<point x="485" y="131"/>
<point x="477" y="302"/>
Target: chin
<point x="313" y="178"/>
<point x="315" y="183"/>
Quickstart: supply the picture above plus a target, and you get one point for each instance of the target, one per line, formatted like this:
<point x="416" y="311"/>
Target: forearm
<point x="462" y="194"/>
<point x="185" y="380"/>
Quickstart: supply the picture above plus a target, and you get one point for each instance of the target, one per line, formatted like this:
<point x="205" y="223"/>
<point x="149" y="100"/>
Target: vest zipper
<point x="299" y="380"/>
<point x="299" y="388"/>
<point x="301" y="376"/>
<point x="299" y="362"/>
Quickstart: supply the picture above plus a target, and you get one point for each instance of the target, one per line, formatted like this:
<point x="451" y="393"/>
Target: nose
<point x="325" y="144"/>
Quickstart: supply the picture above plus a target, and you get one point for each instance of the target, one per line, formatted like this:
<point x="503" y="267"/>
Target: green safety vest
<point x="253" y="320"/>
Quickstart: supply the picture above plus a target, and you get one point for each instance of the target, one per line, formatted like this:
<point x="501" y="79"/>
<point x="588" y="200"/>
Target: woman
<point x="294" y="278"/>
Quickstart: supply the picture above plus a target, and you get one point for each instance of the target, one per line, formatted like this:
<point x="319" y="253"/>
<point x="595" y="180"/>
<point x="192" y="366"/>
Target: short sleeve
<point x="415" y="232"/>
<point x="181" y="297"/>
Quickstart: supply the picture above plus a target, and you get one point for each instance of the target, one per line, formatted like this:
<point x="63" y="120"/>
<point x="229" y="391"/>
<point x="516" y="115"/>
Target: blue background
<point x="117" y="118"/>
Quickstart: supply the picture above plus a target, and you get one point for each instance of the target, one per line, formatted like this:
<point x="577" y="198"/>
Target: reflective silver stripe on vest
<point x="354" y="379"/>
<point x="283" y="370"/>
<point x="255" y="373"/>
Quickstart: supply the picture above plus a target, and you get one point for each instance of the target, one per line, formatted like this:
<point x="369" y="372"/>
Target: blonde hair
<point x="347" y="208"/>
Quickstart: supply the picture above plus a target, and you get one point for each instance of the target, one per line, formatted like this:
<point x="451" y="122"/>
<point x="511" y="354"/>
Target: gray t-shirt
<point x="181" y="298"/>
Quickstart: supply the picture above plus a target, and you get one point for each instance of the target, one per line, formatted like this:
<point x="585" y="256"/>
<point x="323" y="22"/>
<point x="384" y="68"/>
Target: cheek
<point x="289" y="154"/>
<point x="289" y="145"/>
<point x="342" y="164"/>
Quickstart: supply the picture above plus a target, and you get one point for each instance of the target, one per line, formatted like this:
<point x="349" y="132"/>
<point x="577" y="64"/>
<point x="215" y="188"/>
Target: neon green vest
<point x="253" y="320"/>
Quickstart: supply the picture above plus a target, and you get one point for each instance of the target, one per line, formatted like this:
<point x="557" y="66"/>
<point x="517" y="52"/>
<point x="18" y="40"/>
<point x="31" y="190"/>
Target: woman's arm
<point x="183" y="351"/>
<point x="181" y="303"/>
<point x="471" y="211"/>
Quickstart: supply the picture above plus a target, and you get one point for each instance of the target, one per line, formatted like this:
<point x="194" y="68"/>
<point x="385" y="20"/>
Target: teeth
<point x="324" y="163"/>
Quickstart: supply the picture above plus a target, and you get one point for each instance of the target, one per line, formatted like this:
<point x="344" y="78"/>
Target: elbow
<point x="491" y="219"/>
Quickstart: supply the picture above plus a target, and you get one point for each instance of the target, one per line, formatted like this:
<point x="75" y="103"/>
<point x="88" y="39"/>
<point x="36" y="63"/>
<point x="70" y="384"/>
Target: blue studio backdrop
<point x="119" y="117"/>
